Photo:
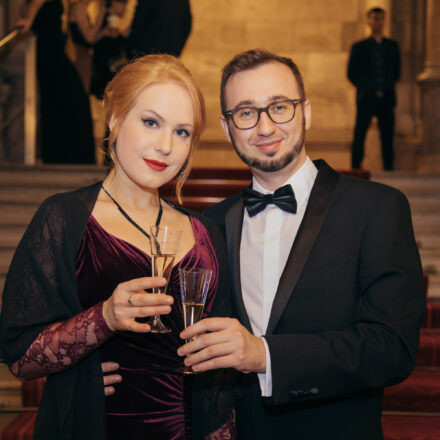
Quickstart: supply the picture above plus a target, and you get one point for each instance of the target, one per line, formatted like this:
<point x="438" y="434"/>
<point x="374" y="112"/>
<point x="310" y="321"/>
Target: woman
<point x="77" y="279"/>
<point x="86" y="34"/>
<point x="66" y="122"/>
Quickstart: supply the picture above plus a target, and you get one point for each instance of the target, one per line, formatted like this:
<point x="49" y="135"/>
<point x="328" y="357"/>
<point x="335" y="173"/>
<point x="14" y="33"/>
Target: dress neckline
<point x="139" y="250"/>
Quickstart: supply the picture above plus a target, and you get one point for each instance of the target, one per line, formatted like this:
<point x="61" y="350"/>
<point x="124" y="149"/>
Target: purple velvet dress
<point x="154" y="399"/>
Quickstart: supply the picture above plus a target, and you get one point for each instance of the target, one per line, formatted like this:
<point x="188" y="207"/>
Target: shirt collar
<point x="301" y="182"/>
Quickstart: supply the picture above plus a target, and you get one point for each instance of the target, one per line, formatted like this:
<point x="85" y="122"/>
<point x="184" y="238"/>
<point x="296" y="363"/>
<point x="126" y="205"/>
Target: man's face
<point x="267" y="147"/>
<point x="376" y="21"/>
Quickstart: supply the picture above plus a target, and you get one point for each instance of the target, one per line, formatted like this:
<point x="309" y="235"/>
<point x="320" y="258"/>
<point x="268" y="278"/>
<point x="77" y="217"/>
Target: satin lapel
<point x="234" y="225"/>
<point x="316" y="211"/>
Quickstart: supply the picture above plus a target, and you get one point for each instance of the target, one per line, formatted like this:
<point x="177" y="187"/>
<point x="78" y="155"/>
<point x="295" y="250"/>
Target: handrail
<point x="11" y="36"/>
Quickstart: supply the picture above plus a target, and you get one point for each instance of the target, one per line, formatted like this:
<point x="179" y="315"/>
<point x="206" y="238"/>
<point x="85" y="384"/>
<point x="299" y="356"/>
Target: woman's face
<point x="155" y="137"/>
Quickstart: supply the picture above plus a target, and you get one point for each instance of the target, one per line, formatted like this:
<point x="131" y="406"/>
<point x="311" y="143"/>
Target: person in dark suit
<point x="374" y="69"/>
<point x="327" y="280"/>
<point x="159" y="27"/>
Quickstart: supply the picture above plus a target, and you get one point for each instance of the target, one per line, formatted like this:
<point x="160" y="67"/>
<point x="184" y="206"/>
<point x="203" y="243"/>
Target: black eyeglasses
<point x="280" y="112"/>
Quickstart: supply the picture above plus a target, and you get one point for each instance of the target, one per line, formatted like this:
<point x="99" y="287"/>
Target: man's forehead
<point x="261" y="85"/>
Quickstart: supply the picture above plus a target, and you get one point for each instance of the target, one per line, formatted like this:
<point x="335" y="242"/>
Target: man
<point x="159" y="27"/>
<point x="327" y="282"/>
<point x="374" y="68"/>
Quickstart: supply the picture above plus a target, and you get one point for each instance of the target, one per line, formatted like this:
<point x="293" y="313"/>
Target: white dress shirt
<point x="266" y="241"/>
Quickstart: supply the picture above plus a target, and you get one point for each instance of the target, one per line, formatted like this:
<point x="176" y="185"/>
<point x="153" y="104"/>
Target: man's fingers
<point x="203" y="341"/>
<point x="109" y="391"/>
<point x="108" y="367"/>
<point x="208" y="324"/>
<point x="213" y="364"/>
<point x="211" y="352"/>
<point x="111" y="379"/>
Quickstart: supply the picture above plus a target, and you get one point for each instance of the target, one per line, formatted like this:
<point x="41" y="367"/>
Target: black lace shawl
<point x="41" y="289"/>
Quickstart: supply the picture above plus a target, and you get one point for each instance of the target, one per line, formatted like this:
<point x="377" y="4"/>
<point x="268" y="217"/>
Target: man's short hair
<point x="254" y="58"/>
<point x="375" y="11"/>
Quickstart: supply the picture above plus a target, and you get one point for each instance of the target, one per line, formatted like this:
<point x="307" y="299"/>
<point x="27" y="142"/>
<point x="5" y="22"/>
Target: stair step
<point x="429" y="348"/>
<point x="10" y="235"/>
<point x="425" y="220"/>
<point x="17" y="214"/>
<point x="398" y="426"/>
<point x="418" y="393"/>
<point x="430" y="260"/>
<point x="30" y="195"/>
<point x="432" y="317"/>
<point x="53" y="175"/>
<point x="409" y="183"/>
<point x="428" y="240"/>
<point x="434" y="286"/>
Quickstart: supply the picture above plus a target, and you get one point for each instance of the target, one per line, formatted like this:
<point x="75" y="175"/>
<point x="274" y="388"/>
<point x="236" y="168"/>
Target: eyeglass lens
<point x="279" y="112"/>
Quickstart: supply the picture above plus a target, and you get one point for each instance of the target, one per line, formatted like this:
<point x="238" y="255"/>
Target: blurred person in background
<point x="159" y="27"/>
<point x="66" y="131"/>
<point x="374" y="69"/>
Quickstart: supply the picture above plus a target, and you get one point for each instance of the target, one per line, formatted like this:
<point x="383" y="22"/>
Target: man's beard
<point x="268" y="165"/>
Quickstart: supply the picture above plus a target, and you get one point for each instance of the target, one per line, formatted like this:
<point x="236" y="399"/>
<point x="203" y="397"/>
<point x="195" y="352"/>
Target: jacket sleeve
<point x="379" y="346"/>
<point x="354" y="65"/>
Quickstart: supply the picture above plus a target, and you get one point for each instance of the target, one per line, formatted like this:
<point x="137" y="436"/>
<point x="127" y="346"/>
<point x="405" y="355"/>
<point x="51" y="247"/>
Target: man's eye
<point x="279" y="108"/>
<point x="245" y="113"/>
<point x="150" y="122"/>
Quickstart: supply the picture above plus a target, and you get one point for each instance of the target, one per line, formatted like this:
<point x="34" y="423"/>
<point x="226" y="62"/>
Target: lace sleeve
<point x="63" y="344"/>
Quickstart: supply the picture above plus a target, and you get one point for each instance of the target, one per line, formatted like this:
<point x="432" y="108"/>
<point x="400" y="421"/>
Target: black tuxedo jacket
<point x="345" y="319"/>
<point x="361" y="67"/>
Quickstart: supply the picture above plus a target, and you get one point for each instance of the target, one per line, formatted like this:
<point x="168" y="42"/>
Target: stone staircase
<point x="23" y="188"/>
<point x="423" y="193"/>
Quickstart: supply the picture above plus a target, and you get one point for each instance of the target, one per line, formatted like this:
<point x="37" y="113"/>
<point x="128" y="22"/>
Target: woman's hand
<point x="129" y="301"/>
<point x="23" y="25"/>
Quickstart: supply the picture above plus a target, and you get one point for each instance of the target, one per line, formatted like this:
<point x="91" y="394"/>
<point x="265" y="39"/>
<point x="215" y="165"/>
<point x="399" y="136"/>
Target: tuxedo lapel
<point x="234" y="225"/>
<point x="316" y="211"/>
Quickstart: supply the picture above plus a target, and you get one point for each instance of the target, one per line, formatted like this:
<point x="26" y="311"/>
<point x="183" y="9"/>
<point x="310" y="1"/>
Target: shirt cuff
<point x="265" y="379"/>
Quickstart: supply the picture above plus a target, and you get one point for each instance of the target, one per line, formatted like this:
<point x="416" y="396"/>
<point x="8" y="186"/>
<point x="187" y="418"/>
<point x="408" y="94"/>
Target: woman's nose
<point x="165" y="143"/>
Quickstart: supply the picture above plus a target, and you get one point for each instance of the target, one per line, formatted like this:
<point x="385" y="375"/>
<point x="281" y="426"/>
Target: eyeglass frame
<point x="230" y="113"/>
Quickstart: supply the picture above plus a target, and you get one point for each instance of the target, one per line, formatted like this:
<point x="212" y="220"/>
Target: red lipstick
<point x="156" y="165"/>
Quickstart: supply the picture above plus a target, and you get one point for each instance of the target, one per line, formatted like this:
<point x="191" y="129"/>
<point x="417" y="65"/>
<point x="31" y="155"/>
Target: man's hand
<point x="228" y="344"/>
<point x="110" y="379"/>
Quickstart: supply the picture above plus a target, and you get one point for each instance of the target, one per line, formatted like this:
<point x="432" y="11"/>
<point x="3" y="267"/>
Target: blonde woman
<point x="77" y="281"/>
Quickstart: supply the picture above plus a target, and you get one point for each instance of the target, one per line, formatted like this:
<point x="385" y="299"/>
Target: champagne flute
<point x="164" y="243"/>
<point x="194" y="285"/>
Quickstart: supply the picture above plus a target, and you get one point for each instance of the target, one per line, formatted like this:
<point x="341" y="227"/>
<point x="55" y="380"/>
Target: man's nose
<point x="165" y="143"/>
<point x="265" y="126"/>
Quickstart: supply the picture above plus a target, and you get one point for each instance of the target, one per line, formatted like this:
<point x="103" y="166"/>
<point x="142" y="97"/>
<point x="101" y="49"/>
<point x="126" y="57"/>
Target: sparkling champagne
<point x="161" y="267"/>
<point x="192" y="312"/>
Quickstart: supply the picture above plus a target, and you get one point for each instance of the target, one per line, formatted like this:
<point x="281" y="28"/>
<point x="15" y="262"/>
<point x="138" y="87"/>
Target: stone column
<point x="429" y="81"/>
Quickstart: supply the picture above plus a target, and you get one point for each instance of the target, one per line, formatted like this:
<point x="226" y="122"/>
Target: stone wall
<point x="318" y="35"/>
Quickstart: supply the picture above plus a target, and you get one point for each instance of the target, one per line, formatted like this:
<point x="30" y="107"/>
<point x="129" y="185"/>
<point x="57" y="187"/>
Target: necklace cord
<point x="124" y="213"/>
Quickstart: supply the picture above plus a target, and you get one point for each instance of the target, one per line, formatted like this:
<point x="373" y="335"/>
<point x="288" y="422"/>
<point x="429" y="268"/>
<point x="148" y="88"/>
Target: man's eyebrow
<point x="248" y="102"/>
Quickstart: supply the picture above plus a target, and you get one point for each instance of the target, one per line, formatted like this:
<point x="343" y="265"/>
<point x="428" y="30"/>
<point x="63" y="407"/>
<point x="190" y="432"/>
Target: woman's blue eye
<point x="150" y="122"/>
<point x="182" y="132"/>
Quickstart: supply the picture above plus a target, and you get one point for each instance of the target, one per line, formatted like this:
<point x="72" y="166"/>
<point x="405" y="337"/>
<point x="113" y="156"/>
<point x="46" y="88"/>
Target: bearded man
<point x="326" y="276"/>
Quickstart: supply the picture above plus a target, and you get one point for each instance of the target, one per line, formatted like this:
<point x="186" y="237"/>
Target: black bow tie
<point x="283" y="197"/>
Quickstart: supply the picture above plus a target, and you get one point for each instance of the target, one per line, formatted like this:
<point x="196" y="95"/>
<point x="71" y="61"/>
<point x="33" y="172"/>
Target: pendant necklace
<point x="124" y="213"/>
